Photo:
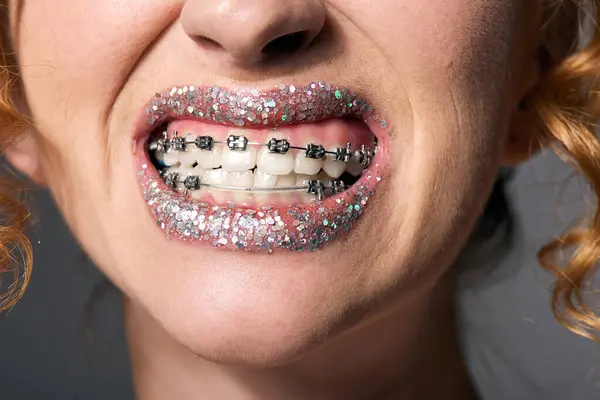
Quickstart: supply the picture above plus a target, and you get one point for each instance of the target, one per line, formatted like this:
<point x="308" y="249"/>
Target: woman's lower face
<point x="250" y="173"/>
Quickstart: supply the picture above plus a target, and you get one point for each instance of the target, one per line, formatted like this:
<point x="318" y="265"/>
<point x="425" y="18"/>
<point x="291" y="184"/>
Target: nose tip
<point x="250" y="32"/>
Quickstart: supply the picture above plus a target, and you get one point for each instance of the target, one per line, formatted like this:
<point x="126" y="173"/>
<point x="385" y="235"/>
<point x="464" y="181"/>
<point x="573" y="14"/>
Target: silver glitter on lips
<point x="302" y="227"/>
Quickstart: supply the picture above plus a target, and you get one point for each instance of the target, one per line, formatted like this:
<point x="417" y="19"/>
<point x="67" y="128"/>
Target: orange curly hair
<point x="567" y="102"/>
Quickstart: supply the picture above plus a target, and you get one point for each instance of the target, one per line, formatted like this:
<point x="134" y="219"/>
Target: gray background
<point x="513" y="346"/>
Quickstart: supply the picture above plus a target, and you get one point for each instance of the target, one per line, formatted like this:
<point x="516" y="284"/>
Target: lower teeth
<point x="318" y="188"/>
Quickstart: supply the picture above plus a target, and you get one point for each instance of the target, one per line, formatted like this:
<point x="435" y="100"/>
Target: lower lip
<point x="298" y="227"/>
<point x="294" y="227"/>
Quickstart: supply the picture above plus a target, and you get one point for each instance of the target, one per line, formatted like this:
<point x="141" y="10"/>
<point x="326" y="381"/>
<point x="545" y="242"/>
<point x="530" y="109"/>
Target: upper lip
<point x="283" y="104"/>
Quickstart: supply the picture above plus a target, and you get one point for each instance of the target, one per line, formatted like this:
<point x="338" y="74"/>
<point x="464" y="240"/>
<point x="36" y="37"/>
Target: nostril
<point x="285" y="44"/>
<point x="208" y="43"/>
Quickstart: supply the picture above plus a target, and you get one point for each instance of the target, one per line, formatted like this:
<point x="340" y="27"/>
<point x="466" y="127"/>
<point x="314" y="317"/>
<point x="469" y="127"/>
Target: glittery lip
<point x="296" y="227"/>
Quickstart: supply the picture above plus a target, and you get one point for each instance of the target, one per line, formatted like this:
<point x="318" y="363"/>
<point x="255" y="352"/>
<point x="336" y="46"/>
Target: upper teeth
<point x="239" y="154"/>
<point x="238" y="161"/>
<point x="274" y="163"/>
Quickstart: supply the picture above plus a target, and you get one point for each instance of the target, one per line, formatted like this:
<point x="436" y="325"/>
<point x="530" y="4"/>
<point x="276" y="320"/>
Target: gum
<point x="328" y="133"/>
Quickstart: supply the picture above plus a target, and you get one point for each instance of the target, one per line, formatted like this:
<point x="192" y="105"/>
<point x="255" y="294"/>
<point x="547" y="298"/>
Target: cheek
<point x="447" y="73"/>
<point x="74" y="59"/>
<point x="80" y="59"/>
<point x="453" y="64"/>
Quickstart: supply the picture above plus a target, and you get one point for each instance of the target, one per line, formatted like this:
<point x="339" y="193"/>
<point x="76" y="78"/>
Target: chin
<point x="254" y="326"/>
<point x="262" y="309"/>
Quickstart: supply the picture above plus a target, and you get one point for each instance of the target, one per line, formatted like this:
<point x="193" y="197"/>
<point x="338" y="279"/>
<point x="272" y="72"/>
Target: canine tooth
<point x="280" y="146"/>
<point x="354" y="168"/>
<point x="170" y="159"/>
<point x="238" y="161"/>
<point x="187" y="158"/>
<point x="273" y="163"/>
<point x="262" y="180"/>
<point x="307" y="166"/>
<point x="208" y="158"/>
<point x="333" y="168"/>
<point x="239" y="179"/>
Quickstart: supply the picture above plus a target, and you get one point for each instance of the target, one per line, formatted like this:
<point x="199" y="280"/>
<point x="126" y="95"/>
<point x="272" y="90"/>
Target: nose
<point x="249" y="32"/>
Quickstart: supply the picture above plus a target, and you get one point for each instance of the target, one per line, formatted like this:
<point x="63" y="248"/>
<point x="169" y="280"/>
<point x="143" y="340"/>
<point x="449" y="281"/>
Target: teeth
<point x="333" y="168"/>
<point x="185" y="170"/>
<point x="232" y="163"/>
<point x="262" y="180"/>
<point x="160" y="157"/>
<point x="273" y="163"/>
<point x="307" y="166"/>
<point x="239" y="179"/>
<point x="215" y="177"/>
<point x="208" y="159"/>
<point x="188" y="158"/>
<point x="238" y="161"/>
<point x="198" y="171"/>
<point x="242" y="180"/>
<point x="354" y="168"/>
<point x="170" y="159"/>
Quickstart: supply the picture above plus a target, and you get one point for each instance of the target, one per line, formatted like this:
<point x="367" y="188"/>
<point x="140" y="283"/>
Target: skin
<point x="343" y="321"/>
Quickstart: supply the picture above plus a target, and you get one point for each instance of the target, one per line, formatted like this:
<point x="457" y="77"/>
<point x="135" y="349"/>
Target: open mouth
<point x="291" y="167"/>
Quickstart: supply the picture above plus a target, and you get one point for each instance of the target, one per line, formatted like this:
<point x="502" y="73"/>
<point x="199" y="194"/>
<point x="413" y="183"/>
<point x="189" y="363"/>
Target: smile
<point x="292" y="167"/>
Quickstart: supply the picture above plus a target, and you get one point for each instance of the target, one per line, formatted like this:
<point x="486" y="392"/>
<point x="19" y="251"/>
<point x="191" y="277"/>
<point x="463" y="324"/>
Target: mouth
<point x="291" y="168"/>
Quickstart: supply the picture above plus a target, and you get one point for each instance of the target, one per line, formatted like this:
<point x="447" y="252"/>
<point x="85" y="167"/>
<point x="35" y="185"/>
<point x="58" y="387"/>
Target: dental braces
<point x="319" y="188"/>
<point x="363" y="156"/>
